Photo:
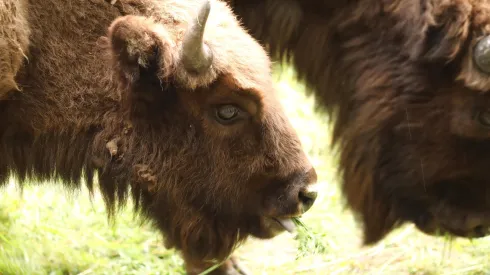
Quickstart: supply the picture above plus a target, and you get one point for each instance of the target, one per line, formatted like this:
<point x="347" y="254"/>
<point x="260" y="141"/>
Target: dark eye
<point x="483" y="118"/>
<point x="226" y="114"/>
<point x="481" y="54"/>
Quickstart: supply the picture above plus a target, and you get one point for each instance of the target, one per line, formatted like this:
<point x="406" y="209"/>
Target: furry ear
<point x="141" y="49"/>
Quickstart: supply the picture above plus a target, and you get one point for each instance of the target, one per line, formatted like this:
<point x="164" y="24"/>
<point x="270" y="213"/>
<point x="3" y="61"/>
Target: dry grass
<point x="46" y="230"/>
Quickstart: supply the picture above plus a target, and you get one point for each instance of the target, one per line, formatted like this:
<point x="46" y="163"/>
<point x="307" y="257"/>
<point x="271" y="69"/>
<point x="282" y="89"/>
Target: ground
<point x="46" y="230"/>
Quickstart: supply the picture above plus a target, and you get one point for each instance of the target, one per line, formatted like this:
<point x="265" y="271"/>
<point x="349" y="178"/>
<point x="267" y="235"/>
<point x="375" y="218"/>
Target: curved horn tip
<point x="196" y="56"/>
<point x="204" y="10"/>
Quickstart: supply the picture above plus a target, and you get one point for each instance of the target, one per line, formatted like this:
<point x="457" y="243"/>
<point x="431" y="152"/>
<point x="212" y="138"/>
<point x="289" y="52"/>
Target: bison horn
<point x="196" y="56"/>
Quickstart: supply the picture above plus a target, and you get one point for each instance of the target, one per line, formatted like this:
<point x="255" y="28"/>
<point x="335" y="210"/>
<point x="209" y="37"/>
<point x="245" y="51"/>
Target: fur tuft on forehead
<point x="478" y="27"/>
<point x="235" y="56"/>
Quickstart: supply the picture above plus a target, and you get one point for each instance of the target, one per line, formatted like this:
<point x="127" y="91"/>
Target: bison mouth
<point x="453" y="220"/>
<point x="269" y="227"/>
<point x="458" y="210"/>
<point x="461" y="224"/>
<point x="287" y="223"/>
<point x="458" y="228"/>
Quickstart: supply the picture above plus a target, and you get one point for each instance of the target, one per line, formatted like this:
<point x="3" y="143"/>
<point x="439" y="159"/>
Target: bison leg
<point x="230" y="267"/>
<point x="14" y="42"/>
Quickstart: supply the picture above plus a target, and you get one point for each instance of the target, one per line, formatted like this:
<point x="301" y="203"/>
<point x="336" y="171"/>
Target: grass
<point x="46" y="230"/>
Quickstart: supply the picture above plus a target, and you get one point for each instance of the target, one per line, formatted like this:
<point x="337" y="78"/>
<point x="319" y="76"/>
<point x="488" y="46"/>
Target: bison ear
<point x="141" y="49"/>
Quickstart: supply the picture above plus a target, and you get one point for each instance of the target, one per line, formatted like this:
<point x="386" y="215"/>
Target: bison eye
<point x="481" y="55"/>
<point x="226" y="114"/>
<point x="484" y="118"/>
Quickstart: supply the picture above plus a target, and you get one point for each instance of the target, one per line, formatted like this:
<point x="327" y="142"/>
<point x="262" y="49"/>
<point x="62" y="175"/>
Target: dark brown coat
<point x="192" y="131"/>
<point x="409" y="101"/>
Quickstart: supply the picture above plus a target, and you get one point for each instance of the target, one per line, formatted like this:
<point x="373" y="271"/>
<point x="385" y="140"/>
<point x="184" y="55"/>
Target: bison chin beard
<point x="200" y="238"/>
<point x="267" y="228"/>
<point x="203" y="237"/>
<point x="206" y="239"/>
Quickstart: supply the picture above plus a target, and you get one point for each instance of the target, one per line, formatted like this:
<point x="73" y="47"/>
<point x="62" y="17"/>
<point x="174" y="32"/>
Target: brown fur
<point x="104" y="91"/>
<point x="14" y="40"/>
<point x="399" y="80"/>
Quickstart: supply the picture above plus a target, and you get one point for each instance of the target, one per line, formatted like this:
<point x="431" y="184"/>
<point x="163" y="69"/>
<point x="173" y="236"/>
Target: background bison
<point x="406" y="83"/>
<point x="174" y="107"/>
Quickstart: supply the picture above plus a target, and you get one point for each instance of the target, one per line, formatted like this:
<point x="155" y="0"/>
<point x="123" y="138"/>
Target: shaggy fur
<point x="14" y="40"/>
<point x="103" y="90"/>
<point x="399" y="80"/>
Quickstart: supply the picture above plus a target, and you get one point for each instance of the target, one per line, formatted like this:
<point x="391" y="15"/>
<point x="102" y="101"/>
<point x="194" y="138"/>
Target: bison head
<point x="211" y="155"/>
<point x="414" y="125"/>
<point x="406" y="83"/>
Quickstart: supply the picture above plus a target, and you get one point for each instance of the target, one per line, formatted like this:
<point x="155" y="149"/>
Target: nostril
<point x="307" y="199"/>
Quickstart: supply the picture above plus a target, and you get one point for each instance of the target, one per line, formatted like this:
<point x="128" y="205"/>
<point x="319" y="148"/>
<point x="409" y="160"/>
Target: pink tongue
<point x="288" y="224"/>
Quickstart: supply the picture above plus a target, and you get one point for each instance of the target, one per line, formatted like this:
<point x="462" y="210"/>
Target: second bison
<point x="407" y="84"/>
<point x="174" y="106"/>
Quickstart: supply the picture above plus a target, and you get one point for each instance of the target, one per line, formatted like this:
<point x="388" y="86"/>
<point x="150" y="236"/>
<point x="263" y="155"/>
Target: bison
<point x="406" y="83"/>
<point x="170" y="103"/>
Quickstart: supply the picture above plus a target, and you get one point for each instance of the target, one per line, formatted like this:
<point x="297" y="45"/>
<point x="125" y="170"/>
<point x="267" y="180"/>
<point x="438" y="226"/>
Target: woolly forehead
<point x="235" y="53"/>
<point x="470" y="33"/>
